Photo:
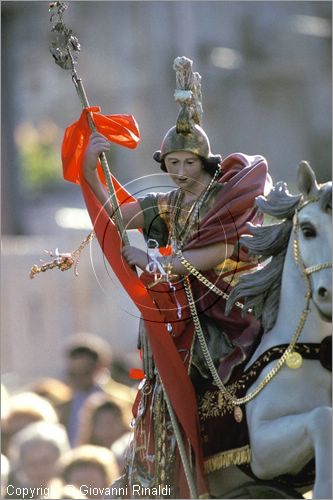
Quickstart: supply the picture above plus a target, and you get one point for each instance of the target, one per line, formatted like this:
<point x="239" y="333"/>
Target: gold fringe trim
<point x="224" y="459"/>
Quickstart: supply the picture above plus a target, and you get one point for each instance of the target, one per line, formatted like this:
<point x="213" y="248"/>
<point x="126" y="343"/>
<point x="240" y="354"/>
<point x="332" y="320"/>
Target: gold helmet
<point x="187" y="135"/>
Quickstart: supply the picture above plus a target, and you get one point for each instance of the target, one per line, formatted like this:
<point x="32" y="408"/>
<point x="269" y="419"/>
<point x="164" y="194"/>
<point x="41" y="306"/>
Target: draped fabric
<point x="244" y="178"/>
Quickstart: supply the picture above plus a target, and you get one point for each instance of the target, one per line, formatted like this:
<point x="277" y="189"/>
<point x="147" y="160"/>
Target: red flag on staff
<point x="120" y="129"/>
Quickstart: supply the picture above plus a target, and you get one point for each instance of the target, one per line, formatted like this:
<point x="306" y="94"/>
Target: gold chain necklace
<point x="177" y="241"/>
<point x="205" y="281"/>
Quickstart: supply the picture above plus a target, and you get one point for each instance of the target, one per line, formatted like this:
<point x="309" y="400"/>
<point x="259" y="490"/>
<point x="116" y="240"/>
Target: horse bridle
<point x="306" y="271"/>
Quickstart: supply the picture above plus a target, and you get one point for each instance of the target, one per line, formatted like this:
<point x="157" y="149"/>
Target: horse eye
<point x="308" y="231"/>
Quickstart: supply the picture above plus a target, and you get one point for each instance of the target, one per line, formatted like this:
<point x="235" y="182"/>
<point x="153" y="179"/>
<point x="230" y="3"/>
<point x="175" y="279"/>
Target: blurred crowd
<point x="67" y="438"/>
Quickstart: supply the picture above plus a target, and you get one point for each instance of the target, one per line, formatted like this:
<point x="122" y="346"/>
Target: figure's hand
<point x="97" y="144"/>
<point x="135" y="257"/>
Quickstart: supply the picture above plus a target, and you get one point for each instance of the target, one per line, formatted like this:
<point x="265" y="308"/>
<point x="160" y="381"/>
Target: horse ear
<point x="306" y="177"/>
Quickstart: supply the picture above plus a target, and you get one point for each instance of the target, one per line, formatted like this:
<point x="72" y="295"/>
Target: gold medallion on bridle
<point x="238" y="414"/>
<point x="294" y="360"/>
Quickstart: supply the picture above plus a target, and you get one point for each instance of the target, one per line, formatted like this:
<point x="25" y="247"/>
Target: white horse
<point x="289" y="419"/>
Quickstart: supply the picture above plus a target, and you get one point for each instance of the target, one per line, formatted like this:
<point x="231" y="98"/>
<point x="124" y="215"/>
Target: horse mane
<point x="261" y="288"/>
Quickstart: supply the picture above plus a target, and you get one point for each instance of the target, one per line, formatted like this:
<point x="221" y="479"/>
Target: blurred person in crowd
<point x="34" y="453"/>
<point x="4" y="475"/>
<point x="23" y="409"/>
<point x="90" y="468"/>
<point x="88" y="358"/>
<point x="55" y="391"/>
<point x="102" y="421"/>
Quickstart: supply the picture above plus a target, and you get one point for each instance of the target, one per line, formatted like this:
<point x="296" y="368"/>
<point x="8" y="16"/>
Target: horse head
<point x="305" y="225"/>
<point x="312" y="233"/>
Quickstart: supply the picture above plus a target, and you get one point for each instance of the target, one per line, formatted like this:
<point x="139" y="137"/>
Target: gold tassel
<point x="62" y="261"/>
<point x="225" y="459"/>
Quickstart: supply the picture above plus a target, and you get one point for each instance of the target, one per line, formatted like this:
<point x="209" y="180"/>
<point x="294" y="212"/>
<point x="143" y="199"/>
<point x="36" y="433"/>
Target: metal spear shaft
<point x="64" y="51"/>
<point x="104" y="162"/>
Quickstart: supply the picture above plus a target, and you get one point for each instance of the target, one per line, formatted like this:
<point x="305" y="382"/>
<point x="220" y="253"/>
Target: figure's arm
<point x="131" y="212"/>
<point x="203" y="259"/>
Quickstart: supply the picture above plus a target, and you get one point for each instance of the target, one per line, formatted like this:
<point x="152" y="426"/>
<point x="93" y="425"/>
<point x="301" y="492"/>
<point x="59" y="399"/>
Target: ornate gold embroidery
<point x="214" y="404"/>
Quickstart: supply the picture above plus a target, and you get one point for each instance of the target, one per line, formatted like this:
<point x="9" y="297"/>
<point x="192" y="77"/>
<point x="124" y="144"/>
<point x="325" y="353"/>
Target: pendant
<point x="238" y="414"/>
<point x="294" y="360"/>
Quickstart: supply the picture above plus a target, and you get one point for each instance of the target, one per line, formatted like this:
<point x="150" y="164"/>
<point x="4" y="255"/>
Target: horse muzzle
<point x="322" y="299"/>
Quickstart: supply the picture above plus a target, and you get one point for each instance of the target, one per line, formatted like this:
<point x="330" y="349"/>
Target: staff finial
<point x="66" y="47"/>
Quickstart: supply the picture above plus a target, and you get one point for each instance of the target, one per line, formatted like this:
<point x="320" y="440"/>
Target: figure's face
<point x="186" y="170"/>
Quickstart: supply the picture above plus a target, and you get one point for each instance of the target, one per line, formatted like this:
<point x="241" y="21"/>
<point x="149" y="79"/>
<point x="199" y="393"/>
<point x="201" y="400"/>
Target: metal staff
<point x="65" y="53"/>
